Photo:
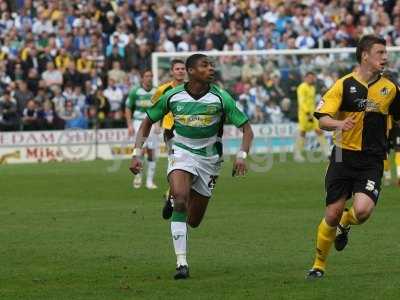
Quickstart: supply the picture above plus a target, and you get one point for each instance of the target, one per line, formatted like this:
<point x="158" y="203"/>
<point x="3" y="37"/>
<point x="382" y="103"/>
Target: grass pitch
<point x="79" y="231"/>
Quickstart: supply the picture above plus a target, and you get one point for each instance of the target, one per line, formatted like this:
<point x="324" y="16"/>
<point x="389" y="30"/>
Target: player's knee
<point x="180" y="200"/>
<point x="362" y="214"/>
<point x="192" y="222"/>
<point x="333" y="216"/>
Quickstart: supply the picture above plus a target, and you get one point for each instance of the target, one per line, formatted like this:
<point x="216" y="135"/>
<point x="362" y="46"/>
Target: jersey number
<point x="212" y="182"/>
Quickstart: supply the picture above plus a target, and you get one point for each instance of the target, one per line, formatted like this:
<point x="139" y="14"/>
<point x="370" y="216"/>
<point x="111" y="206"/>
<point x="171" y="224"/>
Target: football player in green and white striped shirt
<point x="199" y="109"/>
<point x="138" y="100"/>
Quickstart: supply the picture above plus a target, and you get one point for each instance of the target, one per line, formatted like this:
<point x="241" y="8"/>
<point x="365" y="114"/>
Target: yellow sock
<point x="349" y="218"/>
<point x="386" y="169"/>
<point x="325" y="237"/>
<point x="386" y="165"/>
<point x="397" y="160"/>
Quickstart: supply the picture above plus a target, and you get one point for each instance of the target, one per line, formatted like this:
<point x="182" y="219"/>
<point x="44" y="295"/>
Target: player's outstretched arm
<point x="239" y="165"/>
<point x="141" y="136"/>
<point x="328" y="123"/>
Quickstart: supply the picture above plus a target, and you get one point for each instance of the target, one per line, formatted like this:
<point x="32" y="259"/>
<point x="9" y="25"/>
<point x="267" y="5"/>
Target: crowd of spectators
<point x="71" y="63"/>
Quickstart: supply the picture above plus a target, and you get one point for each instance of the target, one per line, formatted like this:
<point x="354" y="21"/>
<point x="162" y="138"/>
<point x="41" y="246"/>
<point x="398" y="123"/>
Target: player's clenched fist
<point x="136" y="162"/>
<point x="136" y="165"/>
<point x="347" y="124"/>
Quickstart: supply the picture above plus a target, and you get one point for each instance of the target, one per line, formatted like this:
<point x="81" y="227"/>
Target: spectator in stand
<point x="63" y="60"/>
<point x="116" y="73"/>
<point x="305" y="40"/>
<point x="95" y="34"/>
<point x="72" y="116"/>
<point x="52" y="77"/>
<point x="30" y="116"/>
<point x="95" y="79"/>
<point x="49" y="117"/>
<point x="252" y="69"/>
<point x="8" y="113"/>
<point x="58" y="100"/>
<point x="79" y="99"/>
<point x="32" y="80"/>
<point x="22" y="94"/>
<point x="83" y="63"/>
<point x="274" y="88"/>
<point x="99" y="109"/>
<point x="114" y="96"/>
<point x="71" y="76"/>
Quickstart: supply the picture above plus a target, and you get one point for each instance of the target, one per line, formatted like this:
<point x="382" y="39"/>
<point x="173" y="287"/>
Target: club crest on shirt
<point x="212" y="109"/>
<point x="384" y="91"/>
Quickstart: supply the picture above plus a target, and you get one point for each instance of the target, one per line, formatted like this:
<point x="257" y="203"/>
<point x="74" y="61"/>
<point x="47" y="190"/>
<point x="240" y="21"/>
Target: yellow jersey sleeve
<point x="331" y="101"/>
<point x="158" y="94"/>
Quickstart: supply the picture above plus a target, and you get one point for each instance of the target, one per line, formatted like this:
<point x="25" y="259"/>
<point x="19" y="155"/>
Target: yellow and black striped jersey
<point x="369" y="104"/>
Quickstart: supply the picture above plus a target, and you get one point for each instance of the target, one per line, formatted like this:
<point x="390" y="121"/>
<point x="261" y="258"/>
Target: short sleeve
<point x="331" y="101"/>
<point x="158" y="110"/>
<point x="131" y="99"/>
<point x="394" y="108"/>
<point x="232" y="112"/>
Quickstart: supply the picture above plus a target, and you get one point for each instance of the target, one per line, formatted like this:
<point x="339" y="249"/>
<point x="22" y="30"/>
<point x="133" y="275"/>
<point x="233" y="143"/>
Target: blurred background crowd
<point x="71" y="63"/>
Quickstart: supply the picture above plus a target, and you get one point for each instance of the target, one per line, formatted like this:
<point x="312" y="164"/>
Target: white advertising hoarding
<point x="76" y="145"/>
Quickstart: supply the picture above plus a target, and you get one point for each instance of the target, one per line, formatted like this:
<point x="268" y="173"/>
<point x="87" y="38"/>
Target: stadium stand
<point x="71" y="63"/>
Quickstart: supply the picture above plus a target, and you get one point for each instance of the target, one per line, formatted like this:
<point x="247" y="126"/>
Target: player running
<point x="199" y="109"/>
<point x="139" y="99"/>
<point x="356" y="106"/>
<point x="178" y="74"/>
<point x="307" y="122"/>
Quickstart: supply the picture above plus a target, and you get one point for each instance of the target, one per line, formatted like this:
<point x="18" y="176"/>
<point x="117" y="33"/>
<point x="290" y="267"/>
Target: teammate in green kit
<point x="199" y="109"/>
<point x="139" y="99"/>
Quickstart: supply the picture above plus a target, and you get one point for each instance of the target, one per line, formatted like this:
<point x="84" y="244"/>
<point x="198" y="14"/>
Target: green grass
<point x="79" y="231"/>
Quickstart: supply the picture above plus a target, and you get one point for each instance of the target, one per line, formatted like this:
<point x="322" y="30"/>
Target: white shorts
<point x="205" y="170"/>
<point x="152" y="141"/>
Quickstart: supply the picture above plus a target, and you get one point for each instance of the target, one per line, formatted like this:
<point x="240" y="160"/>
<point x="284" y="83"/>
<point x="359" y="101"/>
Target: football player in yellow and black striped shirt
<point x="178" y="74"/>
<point x="356" y="106"/>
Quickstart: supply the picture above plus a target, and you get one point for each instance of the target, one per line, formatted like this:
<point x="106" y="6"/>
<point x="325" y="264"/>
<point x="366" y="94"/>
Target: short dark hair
<point x="175" y="62"/>
<point x="310" y="73"/>
<point x="192" y="60"/>
<point x="144" y="71"/>
<point x="366" y="43"/>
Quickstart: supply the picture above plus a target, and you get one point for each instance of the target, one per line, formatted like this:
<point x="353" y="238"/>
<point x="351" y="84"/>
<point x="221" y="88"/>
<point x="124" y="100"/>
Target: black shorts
<point x="352" y="173"/>
<point x="394" y="139"/>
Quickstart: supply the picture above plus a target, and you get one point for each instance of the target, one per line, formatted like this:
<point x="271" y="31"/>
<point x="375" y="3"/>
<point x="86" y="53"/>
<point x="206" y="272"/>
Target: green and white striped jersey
<point x="138" y="101"/>
<point x="198" y="123"/>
